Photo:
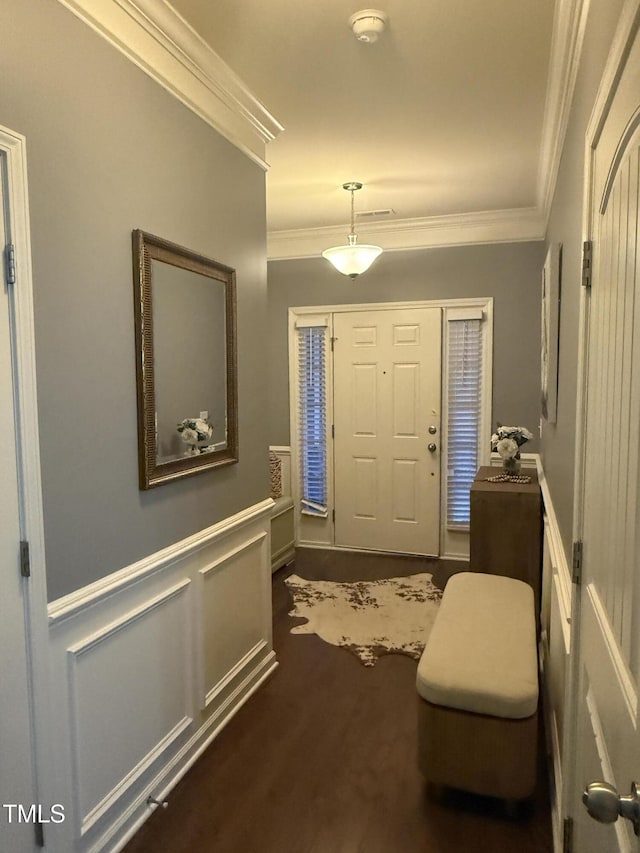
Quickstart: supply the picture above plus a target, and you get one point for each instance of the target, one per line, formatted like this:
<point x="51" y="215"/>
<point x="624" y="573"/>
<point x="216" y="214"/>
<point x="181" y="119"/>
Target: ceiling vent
<point x="368" y="24"/>
<point x="375" y="214"/>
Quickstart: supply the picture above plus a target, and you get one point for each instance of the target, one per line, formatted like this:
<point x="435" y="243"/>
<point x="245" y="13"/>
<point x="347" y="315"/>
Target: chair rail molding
<point x="159" y="41"/>
<point x="74" y="602"/>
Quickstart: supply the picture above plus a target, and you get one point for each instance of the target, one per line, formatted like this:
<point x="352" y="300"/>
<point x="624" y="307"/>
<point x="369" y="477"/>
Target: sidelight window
<point x="464" y="347"/>
<point x="312" y="426"/>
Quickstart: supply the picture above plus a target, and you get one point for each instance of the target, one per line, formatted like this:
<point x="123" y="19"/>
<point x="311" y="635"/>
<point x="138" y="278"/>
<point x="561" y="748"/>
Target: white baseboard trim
<point x="242" y="664"/>
<point x="121" y="789"/>
<point x="160" y="788"/>
<point x="283" y="557"/>
<point x="320" y="546"/>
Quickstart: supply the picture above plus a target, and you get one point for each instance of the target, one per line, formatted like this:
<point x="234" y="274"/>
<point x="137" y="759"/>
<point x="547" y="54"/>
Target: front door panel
<point x="387" y="381"/>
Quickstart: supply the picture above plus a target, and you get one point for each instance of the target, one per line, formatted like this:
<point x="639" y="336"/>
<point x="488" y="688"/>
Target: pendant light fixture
<point x="352" y="259"/>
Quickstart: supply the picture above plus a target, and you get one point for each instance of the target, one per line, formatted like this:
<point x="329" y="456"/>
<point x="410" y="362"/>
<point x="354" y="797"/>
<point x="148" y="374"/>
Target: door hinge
<point x="38" y="829"/>
<point x="10" y="261"/>
<point x="587" y="261"/>
<point x="332" y="342"/>
<point x="333" y="430"/>
<point x="333" y="515"/>
<point x="25" y="560"/>
<point x="576" y="563"/>
<point x="567" y="835"/>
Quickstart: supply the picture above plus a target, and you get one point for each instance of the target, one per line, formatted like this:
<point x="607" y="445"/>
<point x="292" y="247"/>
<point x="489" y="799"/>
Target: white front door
<point x="387" y="389"/>
<point x="16" y="756"/>
<point x="608" y="726"/>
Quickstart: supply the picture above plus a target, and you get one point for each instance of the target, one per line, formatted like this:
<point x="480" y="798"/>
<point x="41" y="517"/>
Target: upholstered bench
<point x="478" y="689"/>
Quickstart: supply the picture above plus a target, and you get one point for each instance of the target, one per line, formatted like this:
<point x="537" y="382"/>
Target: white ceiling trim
<point x="491" y="226"/>
<point x="501" y="226"/>
<point x="159" y="41"/>
<point x="569" y="23"/>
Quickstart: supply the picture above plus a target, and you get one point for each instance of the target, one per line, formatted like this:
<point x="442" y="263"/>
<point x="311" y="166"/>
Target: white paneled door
<point x="387" y="390"/>
<point x="17" y="834"/>
<point x="608" y="731"/>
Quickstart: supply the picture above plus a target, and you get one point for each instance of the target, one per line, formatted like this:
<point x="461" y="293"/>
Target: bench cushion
<point x="481" y="655"/>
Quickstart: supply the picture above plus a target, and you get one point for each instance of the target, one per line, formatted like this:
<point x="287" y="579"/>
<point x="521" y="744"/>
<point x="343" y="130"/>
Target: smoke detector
<point x="368" y="24"/>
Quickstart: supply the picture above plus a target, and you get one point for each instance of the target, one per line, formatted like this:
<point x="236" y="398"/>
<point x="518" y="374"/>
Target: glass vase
<point x="512" y="465"/>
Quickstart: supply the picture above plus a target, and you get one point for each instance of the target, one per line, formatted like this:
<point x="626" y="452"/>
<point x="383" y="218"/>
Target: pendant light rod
<point x="352" y="186"/>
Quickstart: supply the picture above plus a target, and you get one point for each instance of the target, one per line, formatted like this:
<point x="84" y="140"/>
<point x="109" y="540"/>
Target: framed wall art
<point x="550" y="329"/>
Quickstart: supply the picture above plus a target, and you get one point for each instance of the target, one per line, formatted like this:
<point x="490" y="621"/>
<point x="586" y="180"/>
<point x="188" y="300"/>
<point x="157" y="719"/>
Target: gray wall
<point x="109" y="151"/>
<point x="509" y="272"/>
<point x="565" y="226"/>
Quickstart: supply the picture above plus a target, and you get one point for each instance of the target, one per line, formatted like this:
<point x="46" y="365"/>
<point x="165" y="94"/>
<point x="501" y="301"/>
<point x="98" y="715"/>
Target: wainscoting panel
<point x="124" y="667"/>
<point x="555" y="645"/>
<point x="147" y="666"/>
<point x="232" y="617"/>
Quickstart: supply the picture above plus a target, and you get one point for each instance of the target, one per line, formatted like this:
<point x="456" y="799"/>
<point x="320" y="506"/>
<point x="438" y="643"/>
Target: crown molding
<point x="502" y="226"/>
<point x="491" y="226"/>
<point x="569" y="24"/>
<point x="159" y="41"/>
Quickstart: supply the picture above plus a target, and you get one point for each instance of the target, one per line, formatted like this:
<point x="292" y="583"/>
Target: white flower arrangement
<point x="193" y="430"/>
<point x="507" y="441"/>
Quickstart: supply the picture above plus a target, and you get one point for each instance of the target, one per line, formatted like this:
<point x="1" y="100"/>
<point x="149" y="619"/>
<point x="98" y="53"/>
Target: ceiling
<point x="443" y="116"/>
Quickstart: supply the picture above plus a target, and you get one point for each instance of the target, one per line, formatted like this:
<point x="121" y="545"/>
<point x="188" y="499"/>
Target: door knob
<point x="433" y="429"/>
<point x="605" y="804"/>
<point x="431" y="447"/>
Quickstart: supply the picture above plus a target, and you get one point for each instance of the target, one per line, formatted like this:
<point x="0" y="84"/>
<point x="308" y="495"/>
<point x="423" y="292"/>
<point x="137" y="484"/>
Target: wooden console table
<point x="506" y="528"/>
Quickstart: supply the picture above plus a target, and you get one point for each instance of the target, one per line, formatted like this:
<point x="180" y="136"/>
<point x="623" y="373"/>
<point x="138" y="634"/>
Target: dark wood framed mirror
<point x="185" y="321"/>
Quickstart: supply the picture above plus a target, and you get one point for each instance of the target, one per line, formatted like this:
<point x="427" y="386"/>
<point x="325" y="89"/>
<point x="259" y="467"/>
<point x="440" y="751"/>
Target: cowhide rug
<point x="370" y="618"/>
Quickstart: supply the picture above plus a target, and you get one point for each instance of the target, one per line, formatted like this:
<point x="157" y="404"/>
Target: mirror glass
<point x="185" y="327"/>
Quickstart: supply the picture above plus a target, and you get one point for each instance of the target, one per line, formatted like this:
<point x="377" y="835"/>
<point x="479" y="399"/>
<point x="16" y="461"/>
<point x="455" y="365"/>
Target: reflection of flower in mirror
<point x="193" y="430"/>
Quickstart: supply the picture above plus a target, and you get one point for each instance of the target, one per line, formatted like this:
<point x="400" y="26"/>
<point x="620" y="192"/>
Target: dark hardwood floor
<point x="322" y="759"/>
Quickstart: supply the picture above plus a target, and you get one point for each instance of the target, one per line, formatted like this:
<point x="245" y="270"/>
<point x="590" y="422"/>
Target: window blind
<point x="312" y="435"/>
<point x="464" y="391"/>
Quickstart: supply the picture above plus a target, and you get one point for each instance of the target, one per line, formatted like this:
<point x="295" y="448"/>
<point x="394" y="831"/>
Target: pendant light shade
<point x="352" y="259"/>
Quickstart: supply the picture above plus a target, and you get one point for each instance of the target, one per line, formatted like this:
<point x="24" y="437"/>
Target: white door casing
<point x="17" y="783"/>
<point x="387" y="393"/>
<point x="25" y="654"/>
<point x="606" y="632"/>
